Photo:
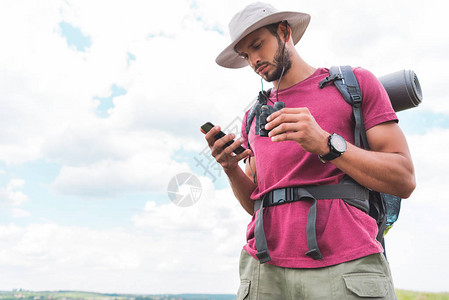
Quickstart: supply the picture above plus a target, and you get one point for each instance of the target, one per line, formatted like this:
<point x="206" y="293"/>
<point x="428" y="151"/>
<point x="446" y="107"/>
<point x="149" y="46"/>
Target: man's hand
<point x="298" y="124"/>
<point x="225" y="156"/>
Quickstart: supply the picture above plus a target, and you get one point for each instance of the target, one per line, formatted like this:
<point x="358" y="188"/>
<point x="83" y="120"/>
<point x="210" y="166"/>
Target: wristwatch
<point x="337" y="146"/>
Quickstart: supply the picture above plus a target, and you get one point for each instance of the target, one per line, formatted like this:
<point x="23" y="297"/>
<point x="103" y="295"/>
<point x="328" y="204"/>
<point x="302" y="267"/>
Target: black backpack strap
<point x="259" y="234"/>
<point x="344" y="79"/>
<point x="344" y="190"/>
<point x="250" y="117"/>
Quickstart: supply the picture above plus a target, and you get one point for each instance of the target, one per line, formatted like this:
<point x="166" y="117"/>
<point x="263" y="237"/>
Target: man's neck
<point x="298" y="72"/>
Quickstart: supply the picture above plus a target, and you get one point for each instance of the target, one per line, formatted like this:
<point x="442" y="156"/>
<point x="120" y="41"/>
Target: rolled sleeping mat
<point x="403" y="88"/>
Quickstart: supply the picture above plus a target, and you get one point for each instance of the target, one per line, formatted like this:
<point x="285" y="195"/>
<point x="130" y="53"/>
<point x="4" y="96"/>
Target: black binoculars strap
<point x="351" y="193"/>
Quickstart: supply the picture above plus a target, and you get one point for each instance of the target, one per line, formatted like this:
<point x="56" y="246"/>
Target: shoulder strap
<point x="347" y="84"/>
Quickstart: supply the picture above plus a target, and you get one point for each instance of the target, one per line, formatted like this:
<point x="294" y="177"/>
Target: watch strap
<point x="333" y="153"/>
<point x="329" y="156"/>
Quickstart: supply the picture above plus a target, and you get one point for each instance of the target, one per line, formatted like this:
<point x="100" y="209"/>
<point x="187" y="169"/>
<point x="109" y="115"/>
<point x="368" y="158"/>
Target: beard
<point x="281" y="60"/>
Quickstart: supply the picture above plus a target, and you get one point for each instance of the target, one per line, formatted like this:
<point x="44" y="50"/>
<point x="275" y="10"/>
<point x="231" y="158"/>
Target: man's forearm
<point x="390" y="173"/>
<point x="242" y="186"/>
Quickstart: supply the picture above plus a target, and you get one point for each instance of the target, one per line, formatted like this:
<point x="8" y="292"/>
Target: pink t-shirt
<point x="343" y="232"/>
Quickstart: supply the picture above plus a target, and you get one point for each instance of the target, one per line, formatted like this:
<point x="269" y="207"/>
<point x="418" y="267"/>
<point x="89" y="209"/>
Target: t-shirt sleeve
<point x="376" y="105"/>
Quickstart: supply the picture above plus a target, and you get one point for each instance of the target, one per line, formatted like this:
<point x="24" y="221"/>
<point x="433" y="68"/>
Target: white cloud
<point x="215" y="225"/>
<point x="50" y="256"/>
<point x="103" y="161"/>
<point x="19" y="213"/>
<point x="416" y="241"/>
<point x="12" y="198"/>
<point x="171" y="92"/>
<point x="430" y="170"/>
<point x="10" y="195"/>
<point x="140" y="173"/>
<point x="171" y="249"/>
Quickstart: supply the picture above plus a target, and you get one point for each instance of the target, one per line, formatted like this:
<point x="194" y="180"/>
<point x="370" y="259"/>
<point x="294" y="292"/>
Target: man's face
<point x="263" y="52"/>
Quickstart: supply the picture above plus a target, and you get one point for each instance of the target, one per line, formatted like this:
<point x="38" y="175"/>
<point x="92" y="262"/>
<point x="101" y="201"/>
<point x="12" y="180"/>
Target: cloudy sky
<point x="101" y="104"/>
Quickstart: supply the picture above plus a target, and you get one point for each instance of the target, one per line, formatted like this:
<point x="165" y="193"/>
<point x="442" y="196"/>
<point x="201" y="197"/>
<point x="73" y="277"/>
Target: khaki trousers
<point x="365" y="278"/>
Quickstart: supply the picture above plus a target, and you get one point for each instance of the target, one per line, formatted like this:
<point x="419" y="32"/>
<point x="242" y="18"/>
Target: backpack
<point x="384" y="208"/>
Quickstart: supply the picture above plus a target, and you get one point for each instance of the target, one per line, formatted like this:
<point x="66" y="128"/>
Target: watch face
<point x="338" y="143"/>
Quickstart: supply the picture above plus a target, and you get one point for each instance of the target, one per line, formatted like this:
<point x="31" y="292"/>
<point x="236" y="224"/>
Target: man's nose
<point x="254" y="60"/>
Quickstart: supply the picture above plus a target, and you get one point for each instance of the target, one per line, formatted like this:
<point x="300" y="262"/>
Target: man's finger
<point x="210" y="136"/>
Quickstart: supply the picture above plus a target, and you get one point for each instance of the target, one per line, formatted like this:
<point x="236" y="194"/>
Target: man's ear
<point x="284" y="30"/>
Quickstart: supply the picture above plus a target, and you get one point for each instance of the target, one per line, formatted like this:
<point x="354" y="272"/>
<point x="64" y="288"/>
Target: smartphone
<point x="208" y="126"/>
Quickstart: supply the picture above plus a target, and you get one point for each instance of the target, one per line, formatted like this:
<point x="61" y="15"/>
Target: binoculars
<point x="265" y="111"/>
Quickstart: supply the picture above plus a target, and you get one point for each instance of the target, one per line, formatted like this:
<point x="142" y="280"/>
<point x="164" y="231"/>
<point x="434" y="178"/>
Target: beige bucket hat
<point x="253" y="17"/>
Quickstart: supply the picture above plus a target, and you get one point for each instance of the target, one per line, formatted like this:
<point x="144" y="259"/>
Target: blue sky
<point x="99" y="113"/>
<point x="75" y="38"/>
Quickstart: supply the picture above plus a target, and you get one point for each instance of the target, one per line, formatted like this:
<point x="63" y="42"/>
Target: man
<point x="310" y="143"/>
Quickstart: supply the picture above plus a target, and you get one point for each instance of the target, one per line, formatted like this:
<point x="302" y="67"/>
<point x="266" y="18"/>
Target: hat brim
<point x="298" y="22"/>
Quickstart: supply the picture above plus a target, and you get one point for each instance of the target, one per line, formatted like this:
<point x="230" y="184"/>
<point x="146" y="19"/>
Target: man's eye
<point x="243" y="56"/>
<point x="257" y="46"/>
